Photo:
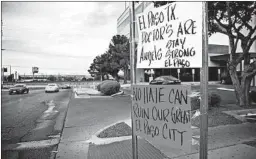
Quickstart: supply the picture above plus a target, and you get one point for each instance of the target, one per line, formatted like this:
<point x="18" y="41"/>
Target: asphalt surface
<point x="32" y="117"/>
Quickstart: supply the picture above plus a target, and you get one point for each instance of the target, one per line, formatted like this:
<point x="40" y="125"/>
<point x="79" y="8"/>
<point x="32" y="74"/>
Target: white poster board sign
<point x="162" y="114"/>
<point x="170" y="36"/>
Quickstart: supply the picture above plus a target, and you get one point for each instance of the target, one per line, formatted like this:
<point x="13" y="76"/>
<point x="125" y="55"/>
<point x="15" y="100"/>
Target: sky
<point x="57" y="37"/>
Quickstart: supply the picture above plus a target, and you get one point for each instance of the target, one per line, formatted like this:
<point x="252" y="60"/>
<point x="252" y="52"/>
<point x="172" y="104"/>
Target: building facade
<point x="217" y="54"/>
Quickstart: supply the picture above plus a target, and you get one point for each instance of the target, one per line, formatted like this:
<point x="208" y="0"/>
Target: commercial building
<point x="218" y="55"/>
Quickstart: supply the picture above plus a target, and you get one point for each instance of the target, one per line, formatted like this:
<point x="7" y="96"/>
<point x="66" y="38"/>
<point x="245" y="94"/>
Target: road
<point x="32" y="118"/>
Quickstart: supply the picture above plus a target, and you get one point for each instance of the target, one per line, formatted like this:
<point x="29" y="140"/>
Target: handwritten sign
<point x="162" y="114"/>
<point x="170" y="36"/>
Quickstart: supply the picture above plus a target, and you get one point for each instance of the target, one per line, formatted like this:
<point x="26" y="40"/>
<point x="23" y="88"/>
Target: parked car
<point x="18" y="89"/>
<point x="66" y="86"/>
<point x="165" y="80"/>
<point x="52" y="87"/>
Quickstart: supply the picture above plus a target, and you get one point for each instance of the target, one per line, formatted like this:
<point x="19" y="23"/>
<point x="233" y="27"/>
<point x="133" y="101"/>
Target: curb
<point x="234" y="113"/>
<point x="62" y="120"/>
<point x="103" y="141"/>
<point x="62" y="116"/>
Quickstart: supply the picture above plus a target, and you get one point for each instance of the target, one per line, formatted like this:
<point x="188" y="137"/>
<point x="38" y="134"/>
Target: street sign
<point x="162" y="115"/>
<point x="35" y="70"/>
<point x="170" y="36"/>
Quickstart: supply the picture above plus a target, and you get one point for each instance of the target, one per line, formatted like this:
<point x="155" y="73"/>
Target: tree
<point x="52" y="78"/>
<point x="116" y="58"/>
<point x="83" y="79"/>
<point x="110" y="65"/>
<point x="234" y="19"/>
<point x="10" y="78"/>
<point x="102" y="66"/>
<point x="120" y="54"/>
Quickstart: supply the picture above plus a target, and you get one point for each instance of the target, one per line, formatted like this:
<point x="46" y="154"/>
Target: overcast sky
<point x="57" y="37"/>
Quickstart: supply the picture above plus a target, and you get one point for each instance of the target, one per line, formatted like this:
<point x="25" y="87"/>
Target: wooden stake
<point x="133" y="72"/>
<point x="204" y="86"/>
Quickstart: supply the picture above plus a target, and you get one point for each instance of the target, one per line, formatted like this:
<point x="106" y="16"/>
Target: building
<point x="218" y="54"/>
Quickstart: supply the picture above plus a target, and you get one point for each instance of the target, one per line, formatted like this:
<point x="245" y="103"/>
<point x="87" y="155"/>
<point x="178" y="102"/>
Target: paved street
<point x="31" y="117"/>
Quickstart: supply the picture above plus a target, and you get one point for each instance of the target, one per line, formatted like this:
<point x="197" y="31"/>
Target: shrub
<point x="195" y="103"/>
<point x="225" y="78"/>
<point x="110" y="87"/>
<point x="213" y="101"/>
<point x="253" y="95"/>
<point x="100" y="84"/>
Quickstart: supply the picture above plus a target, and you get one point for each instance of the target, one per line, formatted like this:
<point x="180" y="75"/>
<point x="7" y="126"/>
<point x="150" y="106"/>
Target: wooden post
<point x="178" y="71"/>
<point x="193" y="74"/>
<point x="204" y="86"/>
<point x="133" y="72"/>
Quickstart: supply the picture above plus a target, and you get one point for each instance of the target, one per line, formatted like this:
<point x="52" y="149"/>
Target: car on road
<point x="52" y="87"/>
<point x="18" y="89"/>
<point x="66" y="86"/>
<point x="165" y="80"/>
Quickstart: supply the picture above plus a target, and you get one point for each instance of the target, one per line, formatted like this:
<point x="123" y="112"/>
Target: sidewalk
<point x="223" y="141"/>
<point x="85" y="116"/>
